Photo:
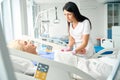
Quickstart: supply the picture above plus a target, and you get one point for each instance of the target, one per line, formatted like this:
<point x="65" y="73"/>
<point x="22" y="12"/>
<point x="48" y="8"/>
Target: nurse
<point x="79" y="28"/>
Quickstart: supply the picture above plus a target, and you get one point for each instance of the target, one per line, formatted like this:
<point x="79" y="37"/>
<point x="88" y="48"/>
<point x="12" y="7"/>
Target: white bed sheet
<point x="99" y="68"/>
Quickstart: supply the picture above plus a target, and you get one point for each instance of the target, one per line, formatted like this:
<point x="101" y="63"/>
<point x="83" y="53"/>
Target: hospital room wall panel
<point x="7" y="20"/>
<point x="116" y="35"/>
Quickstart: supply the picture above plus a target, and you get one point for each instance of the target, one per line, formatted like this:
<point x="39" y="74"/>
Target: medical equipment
<point x="42" y="22"/>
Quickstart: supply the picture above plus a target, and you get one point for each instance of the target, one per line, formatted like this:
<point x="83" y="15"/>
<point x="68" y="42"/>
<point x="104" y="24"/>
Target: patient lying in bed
<point x="28" y="46"/>
<point x="23" y="65"/>
<point x="98" y="68"/>
<point x="23" y="45"/>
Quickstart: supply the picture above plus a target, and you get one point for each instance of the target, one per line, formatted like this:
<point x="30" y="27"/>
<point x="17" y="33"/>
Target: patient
<point x="23" y="45"/>
<point x="43" y="50"/>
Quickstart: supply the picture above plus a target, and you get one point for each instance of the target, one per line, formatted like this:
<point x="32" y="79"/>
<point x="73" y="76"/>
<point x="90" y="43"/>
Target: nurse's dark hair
<point x="72" y="7"/>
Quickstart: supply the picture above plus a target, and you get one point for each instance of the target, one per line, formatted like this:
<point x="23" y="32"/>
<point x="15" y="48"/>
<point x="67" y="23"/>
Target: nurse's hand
<point x="82" y="51"/>
<point x="66" y="49"/>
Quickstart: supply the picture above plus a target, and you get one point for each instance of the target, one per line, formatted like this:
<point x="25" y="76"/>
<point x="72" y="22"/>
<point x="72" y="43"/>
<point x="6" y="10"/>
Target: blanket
<point x="98" y="68"/>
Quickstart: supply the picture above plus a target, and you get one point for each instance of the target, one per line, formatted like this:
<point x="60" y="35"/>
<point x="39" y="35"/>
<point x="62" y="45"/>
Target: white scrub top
<point x="81" y="29"/>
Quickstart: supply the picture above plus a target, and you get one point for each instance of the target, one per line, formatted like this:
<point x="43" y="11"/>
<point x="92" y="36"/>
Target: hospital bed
<point x="56" y="47"/>
<point x="59" y="71"/>
<point x="56" y="71"/>
<point x="114" y="51"/>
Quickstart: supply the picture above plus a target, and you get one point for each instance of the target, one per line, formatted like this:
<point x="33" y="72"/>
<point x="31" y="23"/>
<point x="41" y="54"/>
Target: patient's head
<point x="23" y="45"/>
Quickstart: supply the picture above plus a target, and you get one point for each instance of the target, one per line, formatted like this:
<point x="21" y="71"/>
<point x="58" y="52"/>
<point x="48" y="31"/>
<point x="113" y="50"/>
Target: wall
<point x="7" y="20"/>
<point x="96" y="13"/>
<point x="58" y="28"/>
<point x="16" y="16"/>
<point x="14" y="19"/>
<point x="19" y="16"/>
<point x="116" y="36"/>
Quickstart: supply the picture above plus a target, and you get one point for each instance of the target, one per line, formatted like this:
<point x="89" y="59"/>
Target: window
<point x="113" y="17"/>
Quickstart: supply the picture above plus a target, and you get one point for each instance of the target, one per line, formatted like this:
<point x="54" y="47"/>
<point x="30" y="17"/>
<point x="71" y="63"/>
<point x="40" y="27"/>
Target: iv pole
<point x="39" y="21"/>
